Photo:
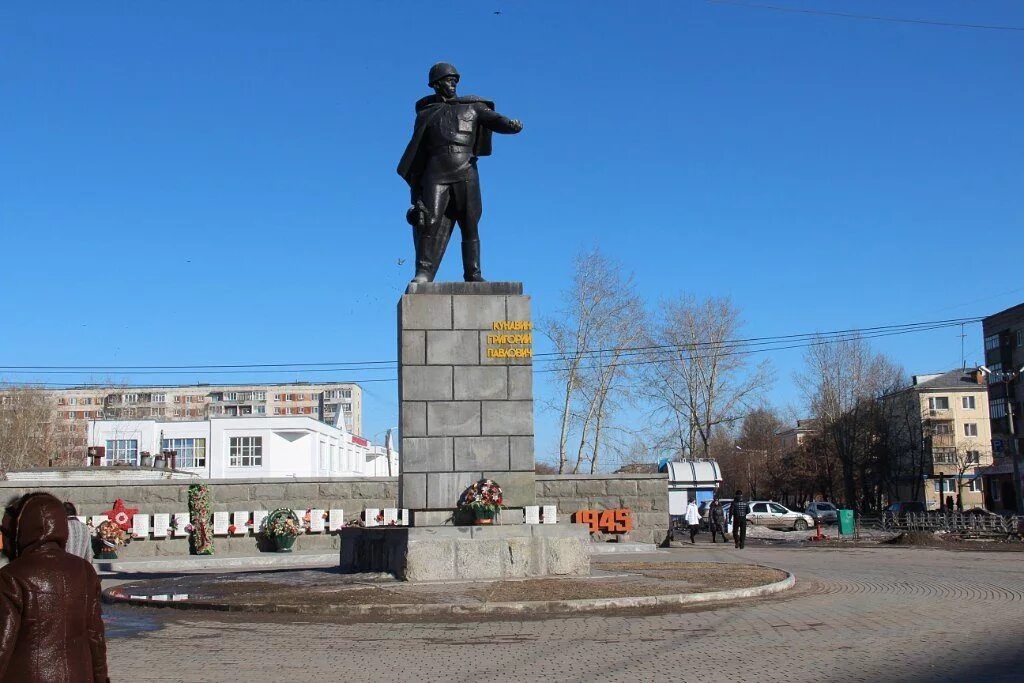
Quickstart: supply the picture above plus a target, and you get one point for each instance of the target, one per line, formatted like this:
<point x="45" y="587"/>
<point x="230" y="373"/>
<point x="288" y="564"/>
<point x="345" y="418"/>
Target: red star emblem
<point x="121" y="515"/>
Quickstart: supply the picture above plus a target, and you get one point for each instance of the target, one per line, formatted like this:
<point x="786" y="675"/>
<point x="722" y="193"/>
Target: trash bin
<point x="846" y="522"/>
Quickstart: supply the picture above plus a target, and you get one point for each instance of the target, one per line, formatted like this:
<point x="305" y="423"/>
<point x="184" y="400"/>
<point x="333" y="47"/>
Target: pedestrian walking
<point x="949" y="503"/>
<point x="79" y="539"/>
<point x="740" y="509"/>
<point x="693" y="519"/>
<point x="717" y="515"/>
<point x="50" y="624"/>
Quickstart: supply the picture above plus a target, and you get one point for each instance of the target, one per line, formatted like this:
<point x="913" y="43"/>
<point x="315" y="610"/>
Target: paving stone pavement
<point x="865" y="614"/>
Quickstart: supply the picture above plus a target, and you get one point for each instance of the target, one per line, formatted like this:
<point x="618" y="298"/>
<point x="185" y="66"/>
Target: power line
<point x="866" y="17"/>
<point x="818" y="340"/>
<point x="376" y="365"/>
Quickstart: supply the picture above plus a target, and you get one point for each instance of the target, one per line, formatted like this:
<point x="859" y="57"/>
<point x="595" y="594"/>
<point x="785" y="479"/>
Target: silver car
<point x="826" y="512"/>
<point x="770" y="514"/>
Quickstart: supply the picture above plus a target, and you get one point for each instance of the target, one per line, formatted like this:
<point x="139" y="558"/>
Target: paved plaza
<point x="859" y="614"/>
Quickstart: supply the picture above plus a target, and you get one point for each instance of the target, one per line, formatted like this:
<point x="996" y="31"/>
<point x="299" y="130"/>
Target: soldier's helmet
<point x="440" y="70"/>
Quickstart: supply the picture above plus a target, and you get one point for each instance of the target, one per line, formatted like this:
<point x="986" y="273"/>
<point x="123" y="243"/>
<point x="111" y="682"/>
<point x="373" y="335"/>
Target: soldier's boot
<point x="425" y="266"/>
<point x="471" y="261"/>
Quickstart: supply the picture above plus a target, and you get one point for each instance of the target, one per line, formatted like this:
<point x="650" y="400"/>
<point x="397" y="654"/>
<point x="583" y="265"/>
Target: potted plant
<point x="281" y="527"/>
<point x="482" y="500"/>
<point x="109" y="537"/>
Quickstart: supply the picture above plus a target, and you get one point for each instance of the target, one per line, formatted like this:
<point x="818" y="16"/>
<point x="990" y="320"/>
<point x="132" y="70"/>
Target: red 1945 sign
<point x="609" y="521"/>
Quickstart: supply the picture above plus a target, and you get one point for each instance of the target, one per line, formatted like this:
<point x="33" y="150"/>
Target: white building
<point x="244" y="447"/>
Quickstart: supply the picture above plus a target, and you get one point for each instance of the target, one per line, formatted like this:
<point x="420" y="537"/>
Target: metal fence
<point x="952" y="522"/>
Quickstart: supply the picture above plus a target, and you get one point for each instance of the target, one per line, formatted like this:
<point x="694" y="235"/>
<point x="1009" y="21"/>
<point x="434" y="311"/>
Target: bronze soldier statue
<point x="439" y="164"/>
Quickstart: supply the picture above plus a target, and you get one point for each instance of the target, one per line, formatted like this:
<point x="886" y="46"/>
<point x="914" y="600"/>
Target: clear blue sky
<point x="214" y="182"/>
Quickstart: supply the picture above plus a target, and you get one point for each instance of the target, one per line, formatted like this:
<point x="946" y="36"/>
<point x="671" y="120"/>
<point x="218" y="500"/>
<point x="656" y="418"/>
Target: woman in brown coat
<point x="50" y="624"/>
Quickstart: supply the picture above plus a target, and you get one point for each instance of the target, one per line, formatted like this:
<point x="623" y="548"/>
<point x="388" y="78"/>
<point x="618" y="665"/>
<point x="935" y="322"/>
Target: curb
<point x="111" y="595"/>
<point x="241" y="563"/>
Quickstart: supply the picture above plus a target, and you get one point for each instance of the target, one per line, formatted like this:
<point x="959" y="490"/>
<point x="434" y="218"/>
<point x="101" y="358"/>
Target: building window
<point x="948" y="485"/>
<point x="974" y="485"/>
<point x="973" y="457"/>
<point x="1018" y="338"/>
<point x="129" y="412"/>
<point x="941" y="428"/>
<point x="997" y="408"/>
<point x="944" y="456"/>
<point x="123" y="451"/>
<point x="159" y="398"/>
<point x="130" y="398"/>
<point x="968" y="403"/>
<point x="938" y="403"/>
<point x="970" y="429"/>
<point x="246" y="451"/>
<point x="191" y="452"/>
<point x="259" y="396"/>
<point x="261" y="410"/>
<point x="992" y="342"/>
<point x="346" y="407"/>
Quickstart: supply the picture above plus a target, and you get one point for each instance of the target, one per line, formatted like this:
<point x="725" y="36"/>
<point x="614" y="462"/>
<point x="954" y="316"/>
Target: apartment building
<point x="77" y="406"/>
<point x="942" y="423"/>
<point x="791" y="439"/>
<point x="1004" y="353"/>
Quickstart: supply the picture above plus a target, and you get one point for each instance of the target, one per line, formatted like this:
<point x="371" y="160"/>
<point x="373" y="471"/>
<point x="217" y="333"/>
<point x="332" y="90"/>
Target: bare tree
<point x="842" y="381"/>
<point x="695" y="379"/>
<point x="32" y="432"/>
<point x="599" y="322"/>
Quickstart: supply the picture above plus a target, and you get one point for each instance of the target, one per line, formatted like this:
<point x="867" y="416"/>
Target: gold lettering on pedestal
<point x="516" y="345"/>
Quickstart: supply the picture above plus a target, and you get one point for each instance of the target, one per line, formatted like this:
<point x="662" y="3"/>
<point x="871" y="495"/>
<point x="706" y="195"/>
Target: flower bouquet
<point x="110" y="537"/>
<point x="281" y="526"/>
<point x="483" y="499"/>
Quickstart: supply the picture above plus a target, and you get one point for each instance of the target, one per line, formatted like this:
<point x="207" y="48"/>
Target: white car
<point x="770" y="514"/>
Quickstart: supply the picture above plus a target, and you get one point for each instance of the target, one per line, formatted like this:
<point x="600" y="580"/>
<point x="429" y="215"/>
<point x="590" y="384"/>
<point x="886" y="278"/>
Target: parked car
<point x="773" y="515"/>
<point x="825" y="512"/>
<point x="901" y="508"/>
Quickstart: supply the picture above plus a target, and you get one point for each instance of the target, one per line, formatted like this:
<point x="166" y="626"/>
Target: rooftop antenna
<point x="963" y="360"/>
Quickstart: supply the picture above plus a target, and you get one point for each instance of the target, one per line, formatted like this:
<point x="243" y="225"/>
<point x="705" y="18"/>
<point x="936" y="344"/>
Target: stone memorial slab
<point x="390" y="516"/>
<point x="257" y="520"/>
<point x="370" y="517"/>
<point x="182" y="519"/>
<point x="221" y="522"/>
<point x="531" y="514"/>
<point x="98" y="519"/>
<point x="550" y="514"/>
<point x="140" y="526"/>
<point x="240" y="519"/>
<point x="336" y="519"/>
<point x="161" y="525"/>
<point x="316" y="521"/>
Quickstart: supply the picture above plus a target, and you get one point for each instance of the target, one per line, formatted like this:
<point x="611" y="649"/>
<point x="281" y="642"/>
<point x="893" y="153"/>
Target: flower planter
<point x="485" y="516"/>
<point x="284" y="544"/>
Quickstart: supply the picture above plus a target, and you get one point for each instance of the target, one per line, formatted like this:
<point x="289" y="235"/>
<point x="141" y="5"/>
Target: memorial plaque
<point x="370" y="517"/>
<point x="181" y="519"/>
<point x="316" y="521"/>
<point x="221" y="522"/>
<point x="240" y="520"/>
<point x="179" y="596"/>
<point x="161" y="525"/>
<point x="531" y="514"/>
<point x="337" y="519"/>
<point x="98" y="519"/>
<point x="550" y="514"/>
<point x="82" y="518"/>
<point x="140" y="526"/>
<point x="403" y="518"/>
<point x="390" y="516"/>
<point x="257" y="520"/>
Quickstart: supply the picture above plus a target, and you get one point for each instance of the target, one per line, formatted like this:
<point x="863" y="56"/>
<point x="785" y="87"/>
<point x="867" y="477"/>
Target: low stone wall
<point x="645" y="494"/>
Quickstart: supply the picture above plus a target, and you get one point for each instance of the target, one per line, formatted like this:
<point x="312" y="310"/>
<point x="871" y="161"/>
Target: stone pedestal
<point x="465" y="394"/>
<point x="468" y="553"/>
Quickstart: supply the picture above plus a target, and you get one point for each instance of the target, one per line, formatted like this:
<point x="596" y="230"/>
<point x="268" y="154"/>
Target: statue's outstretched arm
<point x="494" y="121"/>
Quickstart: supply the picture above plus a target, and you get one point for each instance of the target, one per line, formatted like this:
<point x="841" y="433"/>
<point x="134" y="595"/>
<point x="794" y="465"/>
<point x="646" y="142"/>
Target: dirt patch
<point x="928" y="539"/>
<point x="702" y="576"/>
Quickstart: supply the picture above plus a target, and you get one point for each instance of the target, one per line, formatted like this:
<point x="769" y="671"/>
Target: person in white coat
<point x="693" y="519"/>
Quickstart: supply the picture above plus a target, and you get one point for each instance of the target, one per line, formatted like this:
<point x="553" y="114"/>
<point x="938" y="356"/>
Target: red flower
<point x="120" y="515"/>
